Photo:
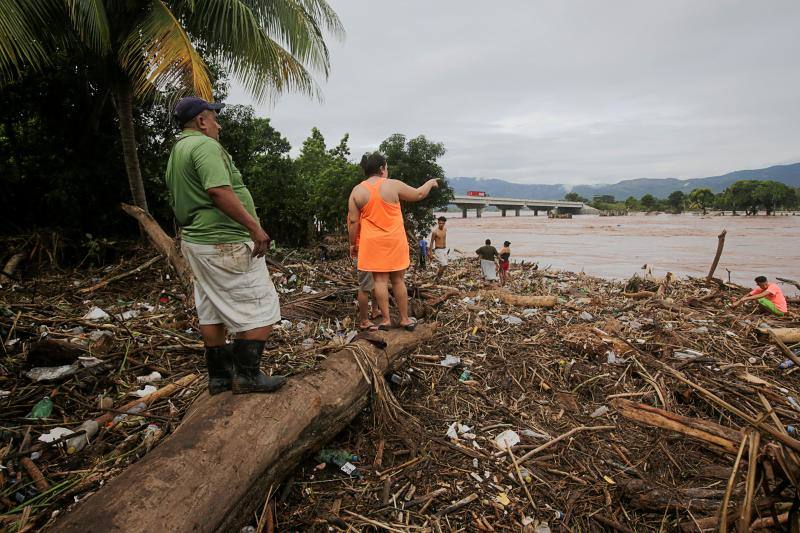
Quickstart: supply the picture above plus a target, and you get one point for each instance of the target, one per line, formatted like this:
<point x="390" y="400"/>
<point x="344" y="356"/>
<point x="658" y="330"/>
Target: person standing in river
<point x="505" y="255"/>
<point x="439" y="246"/>
<point x="378" y="236"/>
<point x="224" y="244"/>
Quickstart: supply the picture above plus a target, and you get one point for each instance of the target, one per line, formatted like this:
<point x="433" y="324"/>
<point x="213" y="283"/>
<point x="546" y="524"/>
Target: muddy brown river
<point x="617" y="247"/>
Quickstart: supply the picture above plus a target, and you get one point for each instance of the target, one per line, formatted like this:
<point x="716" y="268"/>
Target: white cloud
<point x="564" y="92"/>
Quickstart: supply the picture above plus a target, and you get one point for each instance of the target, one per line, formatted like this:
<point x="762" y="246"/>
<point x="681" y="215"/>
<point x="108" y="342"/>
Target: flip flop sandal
<point x="410" y="327"/>
<point x="371" y="327"/>
<point x="384" y="327"/>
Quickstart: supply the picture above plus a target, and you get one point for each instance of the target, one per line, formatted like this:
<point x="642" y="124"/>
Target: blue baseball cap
<point x="190" y="106"/>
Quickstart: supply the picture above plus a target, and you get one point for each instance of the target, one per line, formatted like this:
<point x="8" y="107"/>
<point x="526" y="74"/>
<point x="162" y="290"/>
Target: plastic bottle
<point x="465" y="375"/>
<point x="786" y="364"/>
<point x="43" y="409"/>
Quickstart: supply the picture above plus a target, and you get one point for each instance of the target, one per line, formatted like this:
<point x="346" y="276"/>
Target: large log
<point x="786" y="335"/>
<point x="213" y="472"/>
<point x="522" y="300"/>
<point x="706" y="431"/>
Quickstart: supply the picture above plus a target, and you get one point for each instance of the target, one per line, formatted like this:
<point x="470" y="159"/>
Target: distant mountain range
<point x="660" y="188"/>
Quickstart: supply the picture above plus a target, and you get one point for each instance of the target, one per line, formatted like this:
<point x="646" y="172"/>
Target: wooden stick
<point x="720" y="246"/>
<point x="39" y="481"/>
<point x="103" y="283"/>
<point x="562" y="437"/>
<point x="723" y="519"/>
<point x="785" y="349"/>
<point x="768" y="521"/>
<point x="752" y="469"/>
<point x="162" y="242"/>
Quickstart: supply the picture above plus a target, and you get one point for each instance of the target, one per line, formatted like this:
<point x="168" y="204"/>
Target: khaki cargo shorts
<point x="231" y="286"/>
<point x="365" y="281"/>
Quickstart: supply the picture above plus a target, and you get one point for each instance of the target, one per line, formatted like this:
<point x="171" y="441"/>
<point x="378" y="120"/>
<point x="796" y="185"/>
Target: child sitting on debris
<point x="768" y="295"/>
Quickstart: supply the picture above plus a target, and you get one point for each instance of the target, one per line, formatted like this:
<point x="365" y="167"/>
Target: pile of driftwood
<point x="559" y="401"/>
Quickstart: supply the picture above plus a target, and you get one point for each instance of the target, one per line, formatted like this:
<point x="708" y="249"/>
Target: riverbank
<point x="557" y="377"/>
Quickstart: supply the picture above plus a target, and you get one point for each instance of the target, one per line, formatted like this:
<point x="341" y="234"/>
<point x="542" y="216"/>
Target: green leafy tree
<point x="743" y="196"/>
<point x="773" y="195"/>
<point x="414" y="162"/>
<point x="632" y="204"/>
<point x="648" y="202"/>
<point x="574" y="197"/>
<point x="702" y="198"/>
<point x="151" y="46"/>
<point x="676" y="201"/>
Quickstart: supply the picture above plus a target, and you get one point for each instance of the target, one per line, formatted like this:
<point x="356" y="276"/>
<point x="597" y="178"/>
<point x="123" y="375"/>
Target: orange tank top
<point x="383" y="246"/>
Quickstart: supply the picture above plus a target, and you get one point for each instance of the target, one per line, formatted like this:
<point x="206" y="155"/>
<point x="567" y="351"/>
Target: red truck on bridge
<point x="476" y="193"/>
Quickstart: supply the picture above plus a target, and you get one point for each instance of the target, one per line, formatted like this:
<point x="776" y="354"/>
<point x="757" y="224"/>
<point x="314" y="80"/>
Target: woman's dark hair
<point x="761" y="279"/>
<point x="372" y="163"/>
<point x="507" y="243"/>
<point x="488" y="242"/>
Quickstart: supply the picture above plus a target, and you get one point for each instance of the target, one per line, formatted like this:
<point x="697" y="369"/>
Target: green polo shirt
<point x="198" y="163"/>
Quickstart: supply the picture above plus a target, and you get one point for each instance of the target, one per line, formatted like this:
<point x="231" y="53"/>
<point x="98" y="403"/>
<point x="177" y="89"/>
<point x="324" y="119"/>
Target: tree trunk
<point x="212" y="473"/>
<point x="124" y="99"/>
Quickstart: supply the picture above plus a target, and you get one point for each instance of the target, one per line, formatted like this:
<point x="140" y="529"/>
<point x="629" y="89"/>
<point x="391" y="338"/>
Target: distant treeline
<point x="746" y="196"/>
<point x="63" y="169"/>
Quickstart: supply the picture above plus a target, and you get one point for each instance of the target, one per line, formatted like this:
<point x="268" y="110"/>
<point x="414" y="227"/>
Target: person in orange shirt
<point x="378" y="236"/>
<point x="769" y="296"/>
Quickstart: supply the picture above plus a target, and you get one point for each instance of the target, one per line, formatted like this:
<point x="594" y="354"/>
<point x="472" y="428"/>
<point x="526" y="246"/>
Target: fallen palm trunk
<point x="787" y="335"/>
<point x="521" y="300"/>
<point x="643" y="495"/>
<point x="213" y="472"/>
<point x="162" y="242"/>
<point x="703" y="430"/>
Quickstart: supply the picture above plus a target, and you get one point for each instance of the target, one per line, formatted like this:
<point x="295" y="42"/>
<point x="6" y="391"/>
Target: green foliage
<point x="414" y="162"/>
<point x="648" y="202"/>
<point x="575" y="197"/>
<point x="632" y="204"/>
<point x="701" y="198"/>
<point x="676" y="201"/>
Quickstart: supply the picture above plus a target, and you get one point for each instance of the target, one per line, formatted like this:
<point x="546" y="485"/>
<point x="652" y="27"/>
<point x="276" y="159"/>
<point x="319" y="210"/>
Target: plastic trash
<point x="793" y="402"/>
<point x="507" y="439"/>
<point x="340" y="458"/>
<point x="687" y="354"/>
<point x="97" y="334"/>
<point x="450" y="361"/>
<point x="51" y="373"/>
<point x="43" y="409"/>
<point x="786" y="364"/>
<point x="138" y="408"/>
<point x="549" y="319"/>
<point x="465" y="375"/>
<point x="152" y="377"/>
<point x="534" y="434"/>
<point x="88" y="362"/>
<point x="5" y="393"/>
<point x="511" y="319"/>
<point x="600" y="411"/>
<point x="54" y="434"/>
<point x="146" y="391"/>
<point x="79" y="442"/>
<point x="526" y="474"/>
<point x="95" y="313"/>
<point x="613" y="359"/>
<point x="585" y="315"/>
<point x="247" y="529"/>
<point x="542" y="527"/>
<point x="752" y="360"/>
<point x="151" y="435"/>
<point x="792" y="430"/>
<point x="529" y="312"/>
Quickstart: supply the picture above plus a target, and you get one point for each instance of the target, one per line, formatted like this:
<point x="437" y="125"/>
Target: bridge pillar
<point x="516" y="212"/>
<point x="479" y="211"/>
<point x="536" y="212"/>
<point x="463" y="212"/>
<point x="503" y="211"/>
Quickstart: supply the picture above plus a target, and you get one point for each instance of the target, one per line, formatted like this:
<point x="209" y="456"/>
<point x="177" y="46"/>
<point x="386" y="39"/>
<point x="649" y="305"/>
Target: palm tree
<point x="148" y="47"/>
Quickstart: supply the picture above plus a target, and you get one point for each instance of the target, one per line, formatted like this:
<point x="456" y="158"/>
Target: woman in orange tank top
<point x="378" y="235"/>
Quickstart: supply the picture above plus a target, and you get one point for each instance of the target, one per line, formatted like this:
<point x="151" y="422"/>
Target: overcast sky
<point x="563" y="91"/>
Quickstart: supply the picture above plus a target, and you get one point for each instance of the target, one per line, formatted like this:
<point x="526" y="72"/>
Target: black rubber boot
<point x="247" y="376"/>
<point x="219" y="361"/>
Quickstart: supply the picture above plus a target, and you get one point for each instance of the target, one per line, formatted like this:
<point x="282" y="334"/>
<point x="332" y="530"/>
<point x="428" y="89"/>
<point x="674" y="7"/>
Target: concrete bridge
<point x="479" y="203"/>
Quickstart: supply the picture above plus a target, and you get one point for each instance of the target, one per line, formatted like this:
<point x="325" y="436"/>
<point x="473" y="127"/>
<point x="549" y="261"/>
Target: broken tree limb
<point x="720" y="246"/>
<point x="163" y="242"/>
<point x="702" y="430"/>
<point x="213" y="472"/>
<point x="790" y="335"/>
<point x="789" y="281"/>
<point x="646" y="496"/>
<point x="522" y="300"/>
<point x="118" y="277"/>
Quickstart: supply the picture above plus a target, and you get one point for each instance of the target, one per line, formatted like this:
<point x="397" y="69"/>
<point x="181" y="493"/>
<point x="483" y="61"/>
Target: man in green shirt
<point x="224" y="245"/>
<point x="488" y="254"/>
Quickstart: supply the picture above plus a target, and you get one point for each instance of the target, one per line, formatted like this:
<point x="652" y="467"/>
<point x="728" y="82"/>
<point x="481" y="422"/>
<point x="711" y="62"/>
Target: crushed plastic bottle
<point x="465" y="375"/>
<point x="786" y="364"/>
<point x="43" y="409"/>
<point x="340" y="458"/>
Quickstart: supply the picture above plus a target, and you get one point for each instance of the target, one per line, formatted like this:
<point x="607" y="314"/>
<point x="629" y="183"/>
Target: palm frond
<point x="158" y="55"/>
<point x="89" y="19"/>
<point x="266" y="45"/>
<point x="22" y="43"/>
